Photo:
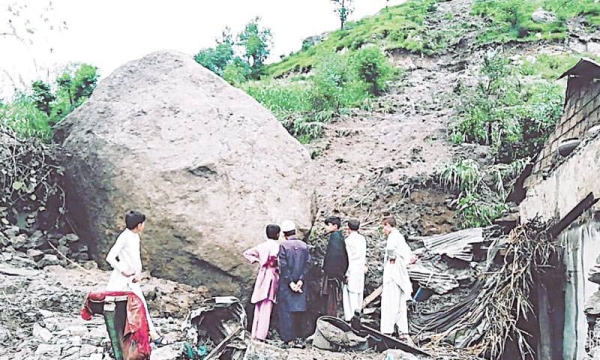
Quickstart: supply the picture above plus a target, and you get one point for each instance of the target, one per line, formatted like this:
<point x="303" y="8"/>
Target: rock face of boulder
<point x="207" y="164"/>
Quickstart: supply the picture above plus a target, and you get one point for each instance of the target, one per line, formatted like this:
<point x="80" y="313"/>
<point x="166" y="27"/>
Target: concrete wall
<point x="566" y="185"/>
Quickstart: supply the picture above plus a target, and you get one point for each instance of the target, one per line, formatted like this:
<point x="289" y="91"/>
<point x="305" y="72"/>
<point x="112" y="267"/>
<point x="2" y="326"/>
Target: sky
<point x="109" y="33"/>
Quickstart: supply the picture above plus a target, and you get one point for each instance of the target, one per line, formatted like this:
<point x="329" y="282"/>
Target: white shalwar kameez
<point x="352" y="292"/>
<point x="127" y="249"/>
<point x="397" y="287"/>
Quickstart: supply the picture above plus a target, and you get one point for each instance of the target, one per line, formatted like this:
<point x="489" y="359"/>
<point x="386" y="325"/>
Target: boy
<point x="356" y="245"/>
<point x="124" y="257"/>
<point x="335" y="266"/>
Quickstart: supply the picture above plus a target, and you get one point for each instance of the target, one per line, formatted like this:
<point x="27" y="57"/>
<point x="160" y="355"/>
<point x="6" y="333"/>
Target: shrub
<point x="371" y="66"/>
<point x="237" y="72"/>
<point x="513" y="118"/>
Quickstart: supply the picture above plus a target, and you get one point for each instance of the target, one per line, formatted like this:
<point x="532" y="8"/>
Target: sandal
<point x="160" y="342"/>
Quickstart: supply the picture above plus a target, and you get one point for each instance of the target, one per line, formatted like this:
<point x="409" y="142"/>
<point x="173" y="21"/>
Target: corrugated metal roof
<point x="584" y="68"/>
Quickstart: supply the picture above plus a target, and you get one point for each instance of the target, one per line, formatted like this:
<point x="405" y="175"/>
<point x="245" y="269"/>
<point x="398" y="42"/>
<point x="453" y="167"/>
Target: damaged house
<point x="565" y="172"/>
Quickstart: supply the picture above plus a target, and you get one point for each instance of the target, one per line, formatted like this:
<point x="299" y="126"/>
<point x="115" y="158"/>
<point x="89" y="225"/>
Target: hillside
<point x="428" y="111"/>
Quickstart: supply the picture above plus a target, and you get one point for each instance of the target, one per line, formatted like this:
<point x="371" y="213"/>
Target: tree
<point x="84" y="82"/>
<point x="216" y="59"/>
<point x="42" y="96"/>
<point x="343" y="8"/>
<point x="256" y="42"/>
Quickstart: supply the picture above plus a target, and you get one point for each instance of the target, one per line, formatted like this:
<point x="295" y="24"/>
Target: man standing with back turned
<point x="294" y="264"/>
<point x="335" y="266"/>
<point x="397" y="288"/>
<point x="356" y="245"/>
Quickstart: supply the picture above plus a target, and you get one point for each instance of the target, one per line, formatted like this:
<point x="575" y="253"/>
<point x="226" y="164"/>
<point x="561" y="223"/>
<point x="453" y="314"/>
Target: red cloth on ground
<point x="136" y="337"/>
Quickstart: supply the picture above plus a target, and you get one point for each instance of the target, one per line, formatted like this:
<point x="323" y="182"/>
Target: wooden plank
<point x="374" y="295"/>
<point x="576" y="212"/>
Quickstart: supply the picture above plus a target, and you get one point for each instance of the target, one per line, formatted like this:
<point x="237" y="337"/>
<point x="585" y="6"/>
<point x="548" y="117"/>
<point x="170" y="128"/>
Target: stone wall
<point x="581" y="112"/>
<point x="566" y="185"/>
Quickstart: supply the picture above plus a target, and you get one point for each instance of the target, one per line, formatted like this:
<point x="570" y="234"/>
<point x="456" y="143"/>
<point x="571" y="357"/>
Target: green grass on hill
<point x="550" y="67"/>
<point x="510" y="20"/>
<point x="399" y="27"/>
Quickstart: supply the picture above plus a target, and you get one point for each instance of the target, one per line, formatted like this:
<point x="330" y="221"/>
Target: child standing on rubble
<point x="267" y="280"/>
<point x="125" y="259"/>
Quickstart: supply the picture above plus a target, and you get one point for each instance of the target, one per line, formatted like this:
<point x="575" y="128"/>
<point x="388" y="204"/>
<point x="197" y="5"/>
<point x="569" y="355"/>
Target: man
<point x="294" y="264"/>
<point x="265" y="288"/>
<point x="356" y="245"/>
<point x="397" y="288"/>
<point x="124" y="257"/>
<point x="335" y="265"/>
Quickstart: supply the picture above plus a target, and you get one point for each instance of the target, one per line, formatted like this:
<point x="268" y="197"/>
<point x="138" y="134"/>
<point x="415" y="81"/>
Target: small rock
<point x="398" y="355"/>
<point x="542" y="16"/>
<point x="98" y="333"/>
<point x="594" y="48"/>
<point x="73" y="350"/>
<point x="169" y="352"/>
<point x="12" y="231"/>
<point x="63" y="249"/>
<point x="3" y="240"/>
<point x="51" y="351"/>
<point x="4" y="334"/>
<point x="42" y="333"/>
<point x="52" y="324"/>
<point x="46" y="314"/>
<point x="90" y="265"/>
<point x="48" y="260"/>
<point x="37" y="239"/>
<point x="35" y="255"/>
<point x="78" y="330"/>
<point x="88" y="350"/>
<point x="72" y="237"/>
<point x="96" y="356"/>
<point x="76" y="341"/>
<point x="19" y="242"/>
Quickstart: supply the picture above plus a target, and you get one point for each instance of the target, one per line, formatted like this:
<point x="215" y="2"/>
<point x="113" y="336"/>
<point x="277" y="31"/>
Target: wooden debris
<point x="440" y="283"/>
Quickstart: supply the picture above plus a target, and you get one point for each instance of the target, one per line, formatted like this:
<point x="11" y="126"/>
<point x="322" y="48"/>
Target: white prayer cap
<point x="288" y="225"/>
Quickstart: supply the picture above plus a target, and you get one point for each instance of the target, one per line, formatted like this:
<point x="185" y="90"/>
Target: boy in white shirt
<point x="125" y="259"/>
<point x="356" y="246"/>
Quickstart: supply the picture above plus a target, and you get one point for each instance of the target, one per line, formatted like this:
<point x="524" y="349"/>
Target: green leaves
<point x="252" y="46"/>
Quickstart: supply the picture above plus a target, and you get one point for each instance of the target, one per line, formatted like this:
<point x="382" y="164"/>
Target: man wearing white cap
<point x="294" y="264"/>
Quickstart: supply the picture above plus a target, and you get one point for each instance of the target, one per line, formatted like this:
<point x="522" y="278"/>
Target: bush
<point x="371" y="66"/>
<point x="514" y="119"/>
<point x="236" y="73"/>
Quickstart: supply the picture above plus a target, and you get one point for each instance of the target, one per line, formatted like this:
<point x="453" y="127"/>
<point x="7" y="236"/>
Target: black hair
<point x="133" y="219"/>
<point x="273" y="231"/>
<point x="390" y="220"/>
<point x="354" y="224"/>
<point x="289" y="233"/>
<point x="334" y="220"/>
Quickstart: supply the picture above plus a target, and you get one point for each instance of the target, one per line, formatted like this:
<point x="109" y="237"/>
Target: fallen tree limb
<point x="374" y="295"/>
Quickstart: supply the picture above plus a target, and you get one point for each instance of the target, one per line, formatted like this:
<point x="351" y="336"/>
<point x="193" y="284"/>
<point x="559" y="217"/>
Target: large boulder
<point x="207" y="164"/>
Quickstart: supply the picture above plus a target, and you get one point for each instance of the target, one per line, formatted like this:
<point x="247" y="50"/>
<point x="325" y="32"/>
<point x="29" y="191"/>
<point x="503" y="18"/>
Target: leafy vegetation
<point x="34" y="112"/>
<point x="512" y="109"/>
<point x="338" y="82"/>
<point x="241" y="59"/>
<point x="514" y="118"/>
<point x="511" y="20"/>
<point x="550" y="67"/>
<point x="398" y="27"/>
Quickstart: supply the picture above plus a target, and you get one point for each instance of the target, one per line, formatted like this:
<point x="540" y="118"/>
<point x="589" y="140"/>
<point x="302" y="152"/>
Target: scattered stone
<point x="48" y="260"/>
<point x="73" y="350"/>
<point x="398" y="355"/>
<point x="37" y="239"/>
<point x="46" y="314"/>
<point x="4" y="334"/>
<point x="12" y="231"/>
<point x="35" y="255"/>
<point x="78" y="330"/>
<point x="71" y="237"/>
<point x="98" y="356"/>
<point x="542" y="16"/>
<point x="169" y="352"/>
<point x="594" y="48"/>
<point x="42" y="333"/>
<point x="88" y="350"/>
<point x="52" y="351"/>
<point x="19" y="242"/>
